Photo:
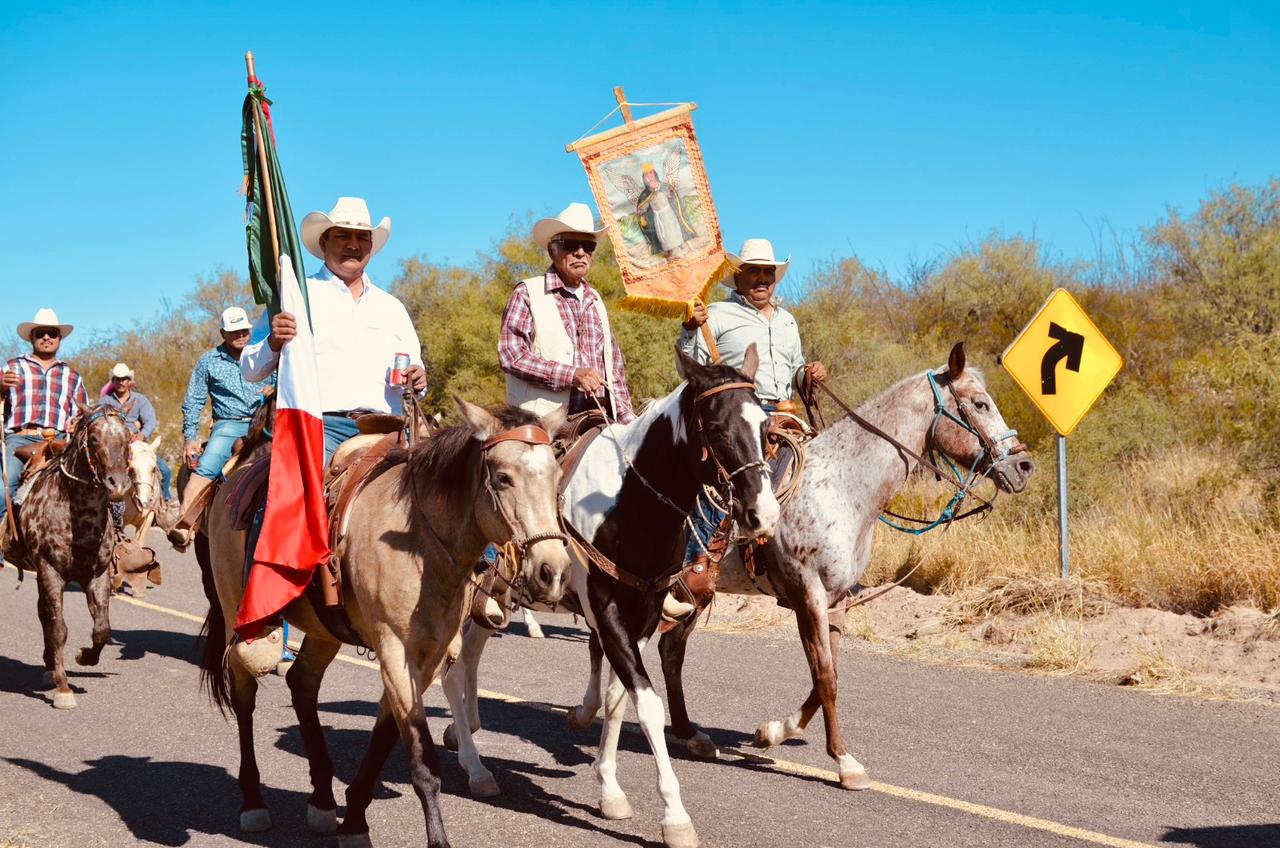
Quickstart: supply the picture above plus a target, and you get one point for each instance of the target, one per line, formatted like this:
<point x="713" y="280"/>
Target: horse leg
<point x="354" y="830"/>
<point x="98" y="597"/>
<point x="55" y="636"/>
<point x="459" y="688"/>
<point x="613" y="801"/>
<point x="531" y="624"/>
<point x="671" y="648"/>
<point x="304" y="678"/>
<point x="623" y="651"/>
<point x="581" y="716"/>
<point x="793" y="727"/>
<point x="811" y="619"/>
<point x="254" y="815"/>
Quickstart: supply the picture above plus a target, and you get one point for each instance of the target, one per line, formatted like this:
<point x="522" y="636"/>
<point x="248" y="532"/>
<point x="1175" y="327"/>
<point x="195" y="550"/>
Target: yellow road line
<point x="787" y="766"/>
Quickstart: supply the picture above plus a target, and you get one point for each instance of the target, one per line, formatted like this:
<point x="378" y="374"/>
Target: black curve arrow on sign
<point x="1069" y="346"/>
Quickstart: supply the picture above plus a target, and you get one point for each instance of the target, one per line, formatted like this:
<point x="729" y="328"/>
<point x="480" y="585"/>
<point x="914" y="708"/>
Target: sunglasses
<point x="46" y="332"/>
<point x="574" y="245"/>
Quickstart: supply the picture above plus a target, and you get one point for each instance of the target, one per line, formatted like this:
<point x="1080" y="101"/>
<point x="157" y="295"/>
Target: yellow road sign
<point x="1062" y="361"/>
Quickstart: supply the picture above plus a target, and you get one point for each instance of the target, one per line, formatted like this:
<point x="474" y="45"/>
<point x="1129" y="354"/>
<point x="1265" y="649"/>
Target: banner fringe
<point x="662" y="307"/>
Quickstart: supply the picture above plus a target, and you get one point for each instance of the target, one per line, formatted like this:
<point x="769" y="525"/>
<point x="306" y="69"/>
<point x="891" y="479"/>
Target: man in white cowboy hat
<point x="358" y="327"/>
<point x="750" y="315"/>
<point x="42" y="394"/>
<point x="139" y="413"/>
<point x="556" y="346"/>
<point x="216" y="379"/>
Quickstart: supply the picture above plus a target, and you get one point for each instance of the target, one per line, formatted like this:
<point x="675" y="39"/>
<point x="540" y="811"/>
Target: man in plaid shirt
<point x="41" y="393"/>
<point x="556" y="346"/>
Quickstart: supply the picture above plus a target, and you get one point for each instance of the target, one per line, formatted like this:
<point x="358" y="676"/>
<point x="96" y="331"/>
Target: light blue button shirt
<point x="735" y="325"/>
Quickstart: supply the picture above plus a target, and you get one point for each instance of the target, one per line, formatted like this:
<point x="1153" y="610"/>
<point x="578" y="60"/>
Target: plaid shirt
<point x="43" y="398"/>
<point x="578" y="314"/>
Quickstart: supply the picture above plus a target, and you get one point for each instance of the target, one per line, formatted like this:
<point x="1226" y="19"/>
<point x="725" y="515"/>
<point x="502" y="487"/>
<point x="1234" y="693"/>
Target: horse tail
<point x="211" y="643"/>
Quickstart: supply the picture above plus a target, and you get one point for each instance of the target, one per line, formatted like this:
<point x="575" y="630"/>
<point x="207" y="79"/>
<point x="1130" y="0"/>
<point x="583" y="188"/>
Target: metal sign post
<point x="1063" y="551"/>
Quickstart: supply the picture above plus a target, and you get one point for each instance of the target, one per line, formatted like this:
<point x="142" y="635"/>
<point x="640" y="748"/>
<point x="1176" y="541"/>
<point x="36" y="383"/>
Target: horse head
<point x="522" y="484"/>
<point x="721" y="407"/>
<point x="969" y="429"/>
<point x="99" y="452"/>
<point x="142" y="469"/>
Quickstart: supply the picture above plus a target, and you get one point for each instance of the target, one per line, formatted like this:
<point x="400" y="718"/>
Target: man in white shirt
<point x="358" y="327"/>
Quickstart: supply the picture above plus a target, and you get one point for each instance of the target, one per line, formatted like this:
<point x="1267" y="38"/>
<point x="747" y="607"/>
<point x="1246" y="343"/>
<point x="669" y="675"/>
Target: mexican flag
<point x="294" y="539"/>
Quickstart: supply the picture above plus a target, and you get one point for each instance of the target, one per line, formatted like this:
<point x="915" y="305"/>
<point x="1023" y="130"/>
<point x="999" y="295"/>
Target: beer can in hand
<point x="398" y="368"/>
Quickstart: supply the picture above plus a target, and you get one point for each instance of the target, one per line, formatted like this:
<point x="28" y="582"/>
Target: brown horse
<point x="415" y="532"/>
<point x="68" y="535"/>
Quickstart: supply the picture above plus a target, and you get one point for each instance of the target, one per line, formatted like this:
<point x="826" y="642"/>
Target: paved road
<point x="962" y="757"/>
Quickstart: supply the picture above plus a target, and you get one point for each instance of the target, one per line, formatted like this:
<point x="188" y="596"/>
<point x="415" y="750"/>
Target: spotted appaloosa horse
<point x="824" y="539"/>
<point x="68" y="535"/>
<point x="629" y="497"/>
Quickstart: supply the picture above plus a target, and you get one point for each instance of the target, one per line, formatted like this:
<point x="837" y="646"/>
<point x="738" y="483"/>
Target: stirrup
<point x="675" y="611"/>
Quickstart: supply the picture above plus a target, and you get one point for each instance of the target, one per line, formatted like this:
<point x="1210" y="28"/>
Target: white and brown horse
<point x="415" y="532"/>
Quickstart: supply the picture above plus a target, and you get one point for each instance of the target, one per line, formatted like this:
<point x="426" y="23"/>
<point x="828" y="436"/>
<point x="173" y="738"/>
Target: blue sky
<point x="893" y="132"/>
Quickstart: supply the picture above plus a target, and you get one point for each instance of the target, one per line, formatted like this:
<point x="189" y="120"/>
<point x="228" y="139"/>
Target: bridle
<point x="140" y="485"/>
<point x="80" y="445"/>
<point x="726" y="477"/>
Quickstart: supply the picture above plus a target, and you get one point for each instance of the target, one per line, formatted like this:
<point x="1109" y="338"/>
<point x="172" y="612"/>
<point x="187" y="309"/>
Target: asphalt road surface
<point x="961" y="757"/>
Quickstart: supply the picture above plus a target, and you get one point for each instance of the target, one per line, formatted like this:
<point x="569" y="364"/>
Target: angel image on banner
<point x="655" y="202"/>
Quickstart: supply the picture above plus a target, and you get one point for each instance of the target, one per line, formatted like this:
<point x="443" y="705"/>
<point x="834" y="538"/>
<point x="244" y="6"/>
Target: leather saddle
<point x="37" y="455"/>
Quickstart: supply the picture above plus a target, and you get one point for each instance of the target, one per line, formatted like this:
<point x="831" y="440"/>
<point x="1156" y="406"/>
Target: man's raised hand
<point x="283" y="329"/>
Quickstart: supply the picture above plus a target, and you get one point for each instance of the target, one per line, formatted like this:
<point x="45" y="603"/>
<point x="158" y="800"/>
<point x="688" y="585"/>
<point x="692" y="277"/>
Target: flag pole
<point x="262" y="167"/>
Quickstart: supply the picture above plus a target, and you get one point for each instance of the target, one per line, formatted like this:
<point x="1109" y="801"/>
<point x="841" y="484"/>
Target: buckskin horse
<point x="67" y="534"/>
<point x="627" y="499"/>
<point x="143" y="508"/>
<point x="415" y="531"/>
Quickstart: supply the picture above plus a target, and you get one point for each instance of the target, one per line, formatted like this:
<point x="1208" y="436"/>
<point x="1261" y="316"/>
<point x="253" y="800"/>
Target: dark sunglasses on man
<point x="571" y="245"/>
<point x="43" y="332"/>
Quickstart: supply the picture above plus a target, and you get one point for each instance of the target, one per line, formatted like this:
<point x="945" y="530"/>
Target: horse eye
<point x="504" y="480"/>
<point x="981" y="405"/>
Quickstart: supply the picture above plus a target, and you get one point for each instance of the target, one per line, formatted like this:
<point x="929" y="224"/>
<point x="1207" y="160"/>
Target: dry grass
<point x="1059" y="646"/>
<point x="1183" y="532"/>
<point x="1157" y="672"/>
<point x="858" y="624"/>
<point x="1027" y="595"/>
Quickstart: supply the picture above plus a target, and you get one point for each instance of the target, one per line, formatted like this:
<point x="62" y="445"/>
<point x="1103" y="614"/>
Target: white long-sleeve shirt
<point x="356" y="343"/>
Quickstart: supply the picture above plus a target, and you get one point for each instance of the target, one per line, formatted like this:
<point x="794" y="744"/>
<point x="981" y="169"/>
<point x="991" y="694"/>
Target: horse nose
<point x="1026" y="467"/>
<point x="549" y="579"/>
<point x="762" y="516"/>
<point x="117" y="485"/>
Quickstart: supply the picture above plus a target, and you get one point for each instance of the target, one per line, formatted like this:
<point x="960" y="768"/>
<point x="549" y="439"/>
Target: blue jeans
<point x="337" y="429"/>
<point x="218" y="449"/>
<point x="166" y="477"/>
<point x="706" y="518"/>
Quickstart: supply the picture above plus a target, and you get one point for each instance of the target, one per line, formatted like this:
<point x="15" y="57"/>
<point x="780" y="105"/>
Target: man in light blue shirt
<point x="140" y="414"/>
<point x="216" y="378"/>
<point x="751" y="315"/>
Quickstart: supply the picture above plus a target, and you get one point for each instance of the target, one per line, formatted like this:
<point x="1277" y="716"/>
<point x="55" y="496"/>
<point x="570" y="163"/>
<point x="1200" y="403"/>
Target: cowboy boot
<point x="194" y="496"/>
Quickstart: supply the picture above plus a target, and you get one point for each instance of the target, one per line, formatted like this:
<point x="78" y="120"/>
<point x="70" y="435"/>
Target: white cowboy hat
<point x="234" y="318"/>
<point x="44" y="318"/>
<point x="121" y="370"/>
<point x="350" y="213"/>
<point x="757" y="252"/>
<point x="576" y="218"/>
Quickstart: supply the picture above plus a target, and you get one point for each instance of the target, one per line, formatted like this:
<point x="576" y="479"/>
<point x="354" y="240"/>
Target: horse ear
<point x="554" y="420"/>
<point x="688" y="366"/>
<point x="155" y="443"/>
<point x="83" y="408"/>
<point x="751" y="362"/>
<point x="484" y="424"/>
<point x="956" y="361"/>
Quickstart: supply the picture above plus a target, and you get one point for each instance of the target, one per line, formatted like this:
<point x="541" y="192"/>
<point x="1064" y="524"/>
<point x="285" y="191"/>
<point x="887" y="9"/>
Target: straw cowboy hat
<point x="756" y="252"/>
<point x="44" y="318"/>
<point x="350" y="213"/>
<point x="121" y="370"/>
<point x="576" y="218"/>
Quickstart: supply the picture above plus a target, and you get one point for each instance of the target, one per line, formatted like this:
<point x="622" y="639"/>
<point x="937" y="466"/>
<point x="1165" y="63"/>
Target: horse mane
<point x="445" y="454"/>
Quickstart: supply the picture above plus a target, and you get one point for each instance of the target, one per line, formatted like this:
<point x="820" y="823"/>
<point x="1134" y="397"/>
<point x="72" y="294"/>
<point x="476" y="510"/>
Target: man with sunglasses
<point x="556" y="347"/>
<point x="42" y="393"/>
<point x="216" y="379"/>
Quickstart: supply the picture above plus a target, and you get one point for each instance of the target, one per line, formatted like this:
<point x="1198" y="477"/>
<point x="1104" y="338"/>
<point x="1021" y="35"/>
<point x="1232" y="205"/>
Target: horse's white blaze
<point x="767" y="508"/>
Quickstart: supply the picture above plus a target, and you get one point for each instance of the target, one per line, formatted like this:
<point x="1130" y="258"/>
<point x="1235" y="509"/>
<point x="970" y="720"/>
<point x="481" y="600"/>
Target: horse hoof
<point x="484" y="787"/>
<point x="700" y="745"/>
<point x="855" y="781"/>
<point x="680" y="835"/>
<point x="321" y="821"/>
<point x="450" y="738"/>
<point x="575" y="719"/>
<point x="84" y="656"/>
<point x="768" y="735"/>
<point x="354" y="840"/>
<point x="615" y="809"/>
<point x="255" y="821"/>
<point x="64" y="701"/>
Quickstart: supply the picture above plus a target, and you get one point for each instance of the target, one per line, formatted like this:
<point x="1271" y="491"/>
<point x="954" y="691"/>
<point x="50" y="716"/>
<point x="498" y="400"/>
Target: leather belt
<point x="348" y="413"/>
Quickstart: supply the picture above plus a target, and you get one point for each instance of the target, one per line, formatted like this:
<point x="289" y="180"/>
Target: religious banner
<point x="655" y="202"/>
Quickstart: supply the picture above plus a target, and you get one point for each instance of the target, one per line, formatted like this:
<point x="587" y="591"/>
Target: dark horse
<point x="68" y="535"/>
<point x="628" y="497"/>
